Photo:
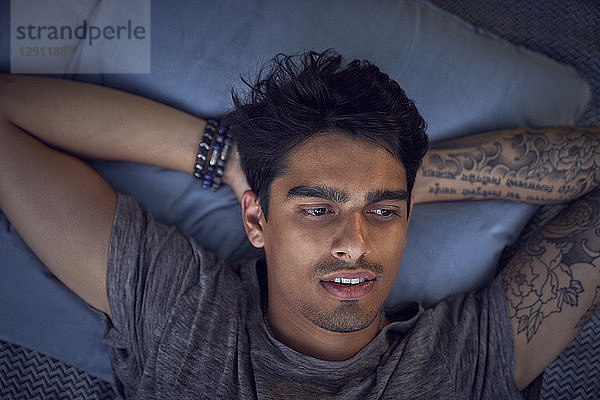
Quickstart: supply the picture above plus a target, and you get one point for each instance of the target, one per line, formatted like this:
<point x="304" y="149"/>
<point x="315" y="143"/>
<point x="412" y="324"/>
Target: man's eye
<point x="316" y="212"/>
<point x="383" y="212"/>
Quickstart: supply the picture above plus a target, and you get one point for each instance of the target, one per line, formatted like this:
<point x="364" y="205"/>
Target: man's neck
<point x="307" y="338"/>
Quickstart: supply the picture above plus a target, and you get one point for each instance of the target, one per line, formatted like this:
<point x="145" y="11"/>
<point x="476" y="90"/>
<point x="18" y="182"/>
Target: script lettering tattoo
<point x="511" y="195"/>
<point x="439" y="174"/>
<point x="560" y="166"/>
<point x="539" y="199"/>
<point x="480" y="192"/>
<point x="544" y="278"/>
<point x="436" y="189"/>
<point x="482" y="179"/>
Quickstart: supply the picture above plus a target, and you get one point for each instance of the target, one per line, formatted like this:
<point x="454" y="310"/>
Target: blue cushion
<point x="462" y="79"/>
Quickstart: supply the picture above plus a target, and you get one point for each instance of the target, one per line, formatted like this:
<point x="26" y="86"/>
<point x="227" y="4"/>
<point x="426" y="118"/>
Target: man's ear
<point x="253" y="219"/>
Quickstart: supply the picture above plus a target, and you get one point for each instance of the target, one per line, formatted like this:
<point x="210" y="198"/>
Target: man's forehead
<point x="338" y="168"/>
<point x="331" y="149"/>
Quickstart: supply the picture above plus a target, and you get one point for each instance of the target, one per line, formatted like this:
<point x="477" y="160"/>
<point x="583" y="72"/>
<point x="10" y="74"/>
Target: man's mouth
<point x="349" y="276"/>
<point x="348" y="288"/>
<point x="349" y="281"/>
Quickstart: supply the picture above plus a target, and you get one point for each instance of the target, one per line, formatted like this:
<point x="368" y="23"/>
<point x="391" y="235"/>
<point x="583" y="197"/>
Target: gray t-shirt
<point x="187" y="325"/>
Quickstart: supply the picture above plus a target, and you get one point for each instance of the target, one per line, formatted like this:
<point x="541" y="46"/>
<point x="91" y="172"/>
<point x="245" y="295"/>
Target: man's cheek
<point x="308" y="238"/>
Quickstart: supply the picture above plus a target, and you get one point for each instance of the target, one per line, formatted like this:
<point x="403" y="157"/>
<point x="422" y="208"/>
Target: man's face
<point x="336" y="231"/>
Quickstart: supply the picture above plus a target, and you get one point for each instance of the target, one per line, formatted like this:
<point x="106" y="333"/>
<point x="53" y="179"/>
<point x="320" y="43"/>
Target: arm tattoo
<point x="559" y="166"/>
<point x="545" y="277"/>
<point x="571" y="161"/>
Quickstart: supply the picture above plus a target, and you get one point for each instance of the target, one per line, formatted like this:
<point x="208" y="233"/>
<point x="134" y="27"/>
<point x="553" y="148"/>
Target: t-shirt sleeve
<point x="475" y="340"/>
<point x="150" y="266"/>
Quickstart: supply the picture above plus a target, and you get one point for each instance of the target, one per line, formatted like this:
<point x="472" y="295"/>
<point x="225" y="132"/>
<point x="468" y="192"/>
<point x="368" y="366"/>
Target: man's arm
<point x="553" y="286"/>
<point x="101" y="123"/>
<point x="58" y="204"/>
<point x="61" y="208"/>
<point x="539" y="166"/>
<point x="553" y="283"/>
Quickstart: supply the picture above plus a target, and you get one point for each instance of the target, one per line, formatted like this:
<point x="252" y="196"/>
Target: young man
<point x="331" y="153"/>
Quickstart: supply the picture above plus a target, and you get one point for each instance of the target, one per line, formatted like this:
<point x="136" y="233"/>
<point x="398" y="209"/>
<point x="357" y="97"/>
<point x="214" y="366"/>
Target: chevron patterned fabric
<point x="28" y="375"/>
<point x="575" y="374"/>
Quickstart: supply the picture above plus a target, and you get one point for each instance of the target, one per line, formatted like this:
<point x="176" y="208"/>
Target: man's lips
<point x="368" y="275"/>
<point x="347" y="291"/>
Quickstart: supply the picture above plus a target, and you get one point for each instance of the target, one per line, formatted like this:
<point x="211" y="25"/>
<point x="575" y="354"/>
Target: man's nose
<point x="351" y="241"/>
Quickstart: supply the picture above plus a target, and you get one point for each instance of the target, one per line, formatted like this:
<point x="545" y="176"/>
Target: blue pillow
<point x="462" y="79"/>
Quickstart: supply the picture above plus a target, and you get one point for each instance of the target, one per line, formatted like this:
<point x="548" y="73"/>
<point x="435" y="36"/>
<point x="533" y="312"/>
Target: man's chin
<point x="347" y="318"/>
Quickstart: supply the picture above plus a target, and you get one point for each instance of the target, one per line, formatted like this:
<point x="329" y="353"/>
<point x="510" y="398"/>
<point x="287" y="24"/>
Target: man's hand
<point x="539" y="166"/>
<point x="234" y="175"/>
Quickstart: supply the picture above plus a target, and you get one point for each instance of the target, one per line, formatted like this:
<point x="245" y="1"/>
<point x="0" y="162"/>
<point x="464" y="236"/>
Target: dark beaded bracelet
<point x="217" y="142"/>
<point x="221" y="162"/>
<point x="206" y="142"/>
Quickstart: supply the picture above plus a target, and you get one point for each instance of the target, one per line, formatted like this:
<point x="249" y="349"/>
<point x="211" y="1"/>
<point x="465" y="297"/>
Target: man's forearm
<point x="101" y="123"/>
<point x="540" y="166"/>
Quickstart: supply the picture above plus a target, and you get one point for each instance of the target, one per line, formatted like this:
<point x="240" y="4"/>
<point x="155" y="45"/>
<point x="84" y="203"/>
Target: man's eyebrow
<point x="321" y="192"/>
<point x="339" y="196"/>
<point x="382" y="195"/>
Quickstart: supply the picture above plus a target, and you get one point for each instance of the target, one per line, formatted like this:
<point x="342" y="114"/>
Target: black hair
<point x="303" y="95"/>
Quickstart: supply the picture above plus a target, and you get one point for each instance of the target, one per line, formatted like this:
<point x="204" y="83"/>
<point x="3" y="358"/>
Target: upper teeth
<point x="352" y="281"/>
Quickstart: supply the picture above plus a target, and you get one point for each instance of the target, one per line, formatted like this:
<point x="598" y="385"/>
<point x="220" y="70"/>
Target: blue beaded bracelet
<point x="215" y="142"/>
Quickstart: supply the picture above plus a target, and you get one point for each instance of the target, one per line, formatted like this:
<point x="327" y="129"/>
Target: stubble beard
<point x="346" y="318"/>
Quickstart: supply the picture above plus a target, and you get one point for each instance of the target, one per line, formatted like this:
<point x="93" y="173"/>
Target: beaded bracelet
<point x="215" y="142"/>
<point x="204" y="148"/>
